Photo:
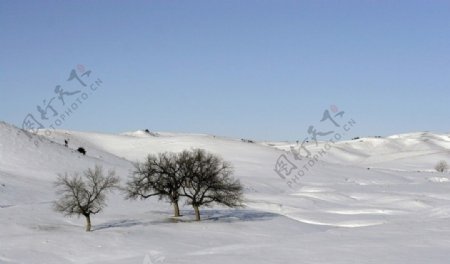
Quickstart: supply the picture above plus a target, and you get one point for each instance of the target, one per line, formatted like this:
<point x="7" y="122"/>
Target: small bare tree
<point x="157" y="176"/>
<point x="208" y="180"/>
<point x="441" y="166"/>
<point x="84" y="195"/>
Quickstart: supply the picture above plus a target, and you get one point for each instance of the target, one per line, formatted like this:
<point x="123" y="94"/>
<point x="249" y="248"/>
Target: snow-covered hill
<point x="414" y="151"/>
<point x="371" y="200"/>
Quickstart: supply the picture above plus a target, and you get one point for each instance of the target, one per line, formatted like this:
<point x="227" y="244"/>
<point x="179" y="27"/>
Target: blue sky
<point x="250" y="69"/>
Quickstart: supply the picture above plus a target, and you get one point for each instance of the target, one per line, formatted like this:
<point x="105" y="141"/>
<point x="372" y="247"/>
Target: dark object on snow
<point x="247" y="140"/>
<point x="151" y="133"/>
<point x="81" y="150"/>
<point x="66" y="143"/>
<point x="355" y="138"/>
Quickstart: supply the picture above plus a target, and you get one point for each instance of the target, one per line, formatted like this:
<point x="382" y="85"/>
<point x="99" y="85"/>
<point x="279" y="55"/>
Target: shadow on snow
<point x="224" y="216"/>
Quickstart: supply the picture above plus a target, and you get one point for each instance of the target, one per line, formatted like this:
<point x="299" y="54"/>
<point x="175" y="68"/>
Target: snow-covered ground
<point x="371" y="200"/>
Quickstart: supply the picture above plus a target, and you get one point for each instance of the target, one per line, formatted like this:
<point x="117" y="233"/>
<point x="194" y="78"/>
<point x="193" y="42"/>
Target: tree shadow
<point x="117" y="224"/>
<point x="226" y="216"/>
<point x="230" y="215"/>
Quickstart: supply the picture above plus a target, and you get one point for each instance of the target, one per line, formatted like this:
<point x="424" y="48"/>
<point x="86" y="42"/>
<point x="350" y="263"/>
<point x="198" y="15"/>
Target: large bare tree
<point x="84" y="195"/>
<point x="157" y="176"/>
<point x="208" y="180"/>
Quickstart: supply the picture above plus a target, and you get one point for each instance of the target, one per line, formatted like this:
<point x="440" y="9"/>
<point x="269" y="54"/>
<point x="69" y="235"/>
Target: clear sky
<point x="247" y="69"/>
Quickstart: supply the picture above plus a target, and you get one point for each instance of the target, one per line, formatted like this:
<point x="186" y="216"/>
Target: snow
<point x="371" y="200"/>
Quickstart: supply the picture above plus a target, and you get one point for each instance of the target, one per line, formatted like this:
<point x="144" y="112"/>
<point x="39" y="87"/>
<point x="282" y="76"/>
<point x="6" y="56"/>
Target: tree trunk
<point x="197" y="213"/>
<point x="88" y="223"/>
<point x="176" y="209"/>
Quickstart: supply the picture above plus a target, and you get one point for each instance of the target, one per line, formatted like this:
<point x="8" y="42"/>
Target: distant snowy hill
<point x="414" y="151"/>
<point x="370" y="200"/>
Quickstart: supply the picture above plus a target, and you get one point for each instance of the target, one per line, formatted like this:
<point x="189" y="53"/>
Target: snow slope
<point x="341" y="212"/>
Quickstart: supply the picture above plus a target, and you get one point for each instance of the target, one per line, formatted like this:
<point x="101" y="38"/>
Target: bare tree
<point x="208" y="180"/>
<point x="84" y="195"/>
<point x="157" y="176"/>
<point x="441" y="166"/>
